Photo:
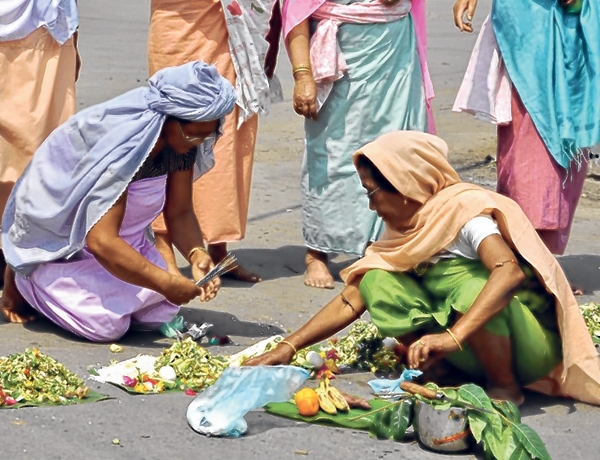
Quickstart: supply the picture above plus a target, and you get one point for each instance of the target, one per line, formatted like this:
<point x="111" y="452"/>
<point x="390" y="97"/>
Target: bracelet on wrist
<point x="289" y="345"/>
<point x="303" y="68"/>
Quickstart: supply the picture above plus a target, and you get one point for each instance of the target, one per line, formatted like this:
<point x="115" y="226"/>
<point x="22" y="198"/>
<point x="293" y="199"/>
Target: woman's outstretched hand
<point x="305" y="95"/>
<point x="463" y="12"/>
<point x="428" y="349"/>
<point x="201" y="264"/>
<point x="280" y="355"/>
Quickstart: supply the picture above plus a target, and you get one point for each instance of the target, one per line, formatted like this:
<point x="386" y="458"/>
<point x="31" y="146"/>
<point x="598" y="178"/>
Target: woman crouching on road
<point x="461" y="275"/>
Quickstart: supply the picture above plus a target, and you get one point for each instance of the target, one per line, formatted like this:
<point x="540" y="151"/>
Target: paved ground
<point x="113" y="40"/>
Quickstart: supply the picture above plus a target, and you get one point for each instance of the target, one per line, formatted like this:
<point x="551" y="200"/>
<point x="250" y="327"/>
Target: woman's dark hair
<point x="181" y="121"/>
<point x="363" y="162"/>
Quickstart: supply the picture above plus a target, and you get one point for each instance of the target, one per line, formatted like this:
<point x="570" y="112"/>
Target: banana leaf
<point x="92" y="396"/>
<point x="357" y="419"/>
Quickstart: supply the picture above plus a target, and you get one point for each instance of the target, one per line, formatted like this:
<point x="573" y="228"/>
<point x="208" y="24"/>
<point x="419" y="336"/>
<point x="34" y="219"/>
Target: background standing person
<point x="182" y="31"/>
<point x="378" y="83"/>
<point x="39" y="64"/>
<point x="544" y="99"/>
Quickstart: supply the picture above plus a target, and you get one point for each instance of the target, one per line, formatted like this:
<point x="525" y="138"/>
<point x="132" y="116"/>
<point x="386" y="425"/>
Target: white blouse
<point x="469" y="238"/>
<point x="20" y="18"/>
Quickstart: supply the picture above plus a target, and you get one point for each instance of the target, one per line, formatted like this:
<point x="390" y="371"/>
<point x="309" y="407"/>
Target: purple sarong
<point x="81" y="296"/>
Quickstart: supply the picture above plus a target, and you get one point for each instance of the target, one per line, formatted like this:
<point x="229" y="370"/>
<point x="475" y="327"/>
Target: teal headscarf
<point x="86" y="164"/>
<point x="553" y="60"/>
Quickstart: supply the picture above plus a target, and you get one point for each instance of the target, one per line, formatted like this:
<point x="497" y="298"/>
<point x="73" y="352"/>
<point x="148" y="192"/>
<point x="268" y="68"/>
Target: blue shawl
<point x="553" y="60"/>
<point x="86" y="164"/>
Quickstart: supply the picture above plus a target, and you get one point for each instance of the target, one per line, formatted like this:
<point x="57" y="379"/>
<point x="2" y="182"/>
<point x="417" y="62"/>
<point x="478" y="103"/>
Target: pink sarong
<point x="82" y="297"/>
<point x="527" y="173"/>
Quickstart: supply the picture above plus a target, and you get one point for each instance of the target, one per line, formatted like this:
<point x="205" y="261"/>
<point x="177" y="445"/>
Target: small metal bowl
<point x="442" y="430"/>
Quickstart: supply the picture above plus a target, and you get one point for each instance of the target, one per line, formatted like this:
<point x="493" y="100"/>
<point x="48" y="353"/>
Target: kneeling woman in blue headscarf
<point x="74" y="232"/>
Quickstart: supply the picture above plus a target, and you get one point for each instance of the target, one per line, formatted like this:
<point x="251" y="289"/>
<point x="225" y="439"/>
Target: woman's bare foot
<point x="12" y="304"/>
<point x="218" y="252"/>
<point x="317" y="273"/>
<point x="512" y="394"/>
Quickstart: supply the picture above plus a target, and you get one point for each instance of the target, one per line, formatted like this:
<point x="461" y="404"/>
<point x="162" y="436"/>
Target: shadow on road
<point x="583" y="271"/>
<point x="224" y="324"/>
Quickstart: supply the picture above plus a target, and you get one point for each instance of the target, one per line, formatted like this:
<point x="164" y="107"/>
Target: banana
<point x="324" y="402"/>
<point x="337" y="399"/>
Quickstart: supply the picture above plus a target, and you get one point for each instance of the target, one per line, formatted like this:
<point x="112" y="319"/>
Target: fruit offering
<point x="307" y="401"/>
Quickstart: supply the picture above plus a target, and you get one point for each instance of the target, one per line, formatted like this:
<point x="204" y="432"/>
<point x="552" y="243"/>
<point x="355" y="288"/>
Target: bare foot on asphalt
<point x="512" y="394"/>
<point x="21" y="314"/>
<point x="317" y="273"/>
<point x="12" y="304"/>
<point x="218" y="252"/>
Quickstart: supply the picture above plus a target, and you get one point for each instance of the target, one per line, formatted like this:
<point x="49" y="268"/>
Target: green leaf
<point x="477" y="423"/>
<point x="401" y="419"/>
<point x="393" y="422"/>
<point x="492" y="440"/>
<point x="531" y="441"/>
<point x="382" y="425"/>
<point x="474" y="395"/>
<point x="450" y="393"/>
<point x="509" y="410"/>
<point x="520" y="454"/>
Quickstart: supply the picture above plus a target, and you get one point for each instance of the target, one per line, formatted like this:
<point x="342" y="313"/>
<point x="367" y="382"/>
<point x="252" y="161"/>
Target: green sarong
<point x="427" y="301"/>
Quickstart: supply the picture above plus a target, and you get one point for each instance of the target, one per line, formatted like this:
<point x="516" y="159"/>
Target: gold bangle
<point x="193" y="250"/>
<point x="290" y="345"/>
<point x="455" y="339"/>
<point x="301" y="68"/>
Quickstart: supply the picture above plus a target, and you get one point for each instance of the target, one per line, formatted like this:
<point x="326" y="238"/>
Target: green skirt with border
<point x="427" y="300"/>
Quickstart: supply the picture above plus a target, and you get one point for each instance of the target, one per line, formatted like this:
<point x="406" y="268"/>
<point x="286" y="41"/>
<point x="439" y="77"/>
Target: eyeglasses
<point x="210" y="137"/>
<point x="372" y="192"/>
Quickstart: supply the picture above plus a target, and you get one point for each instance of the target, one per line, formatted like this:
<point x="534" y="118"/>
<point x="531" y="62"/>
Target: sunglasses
<point x="192" y="139"/>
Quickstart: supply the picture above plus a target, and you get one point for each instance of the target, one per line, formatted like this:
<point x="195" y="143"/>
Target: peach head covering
<point x="416" y="164"/>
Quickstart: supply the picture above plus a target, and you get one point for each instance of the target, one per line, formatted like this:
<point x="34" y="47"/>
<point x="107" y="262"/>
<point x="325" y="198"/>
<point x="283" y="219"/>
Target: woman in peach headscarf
<point x="459" y="274"/>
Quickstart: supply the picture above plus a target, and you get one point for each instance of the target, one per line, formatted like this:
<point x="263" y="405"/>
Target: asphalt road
<point x="113" y="47"/>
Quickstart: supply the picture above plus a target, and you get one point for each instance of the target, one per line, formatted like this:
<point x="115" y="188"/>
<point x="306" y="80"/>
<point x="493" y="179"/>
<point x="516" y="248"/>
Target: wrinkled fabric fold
<point x="560" y="91"/>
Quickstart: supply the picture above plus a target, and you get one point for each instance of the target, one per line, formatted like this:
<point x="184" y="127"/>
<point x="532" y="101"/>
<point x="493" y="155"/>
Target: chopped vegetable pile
<point x="591" y="315"/>
<point x="194" y="366"/>
<point x="33" y="377"/>
<point x="361" y="348"/>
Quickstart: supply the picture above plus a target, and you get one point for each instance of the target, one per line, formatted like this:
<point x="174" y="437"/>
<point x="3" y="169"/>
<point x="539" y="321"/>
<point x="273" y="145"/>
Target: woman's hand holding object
<point x="181" y="290"/>
<point x="201" y="264"/>
<point x="305" y="96"/>
<point x="430" y="347"/>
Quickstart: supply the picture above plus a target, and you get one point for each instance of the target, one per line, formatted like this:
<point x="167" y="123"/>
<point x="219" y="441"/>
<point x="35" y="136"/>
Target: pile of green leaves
<point x="361" y="348"/>
<point x="591" y="315"/>
<point x="496" y="424"/>
<point x="195" y="367"/>
<point x="35" y="378"/>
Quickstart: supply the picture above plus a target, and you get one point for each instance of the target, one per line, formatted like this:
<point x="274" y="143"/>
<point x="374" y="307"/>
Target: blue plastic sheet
<point x="387" y="386"/>
<point x="220" y="410"/>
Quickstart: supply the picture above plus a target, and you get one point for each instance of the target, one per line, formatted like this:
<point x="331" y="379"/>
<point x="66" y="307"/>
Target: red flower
<point x="234" y="8"/>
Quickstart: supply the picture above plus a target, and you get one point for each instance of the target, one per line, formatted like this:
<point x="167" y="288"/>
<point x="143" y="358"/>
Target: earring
<point x="405" y="201"/>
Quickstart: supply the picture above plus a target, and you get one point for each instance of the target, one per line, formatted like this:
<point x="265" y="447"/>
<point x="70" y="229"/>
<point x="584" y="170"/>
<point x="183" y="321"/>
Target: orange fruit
<point x="307" y="401"/>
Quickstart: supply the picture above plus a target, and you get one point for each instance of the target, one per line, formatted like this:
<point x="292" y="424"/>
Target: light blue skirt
<point x="381" y="92"/>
